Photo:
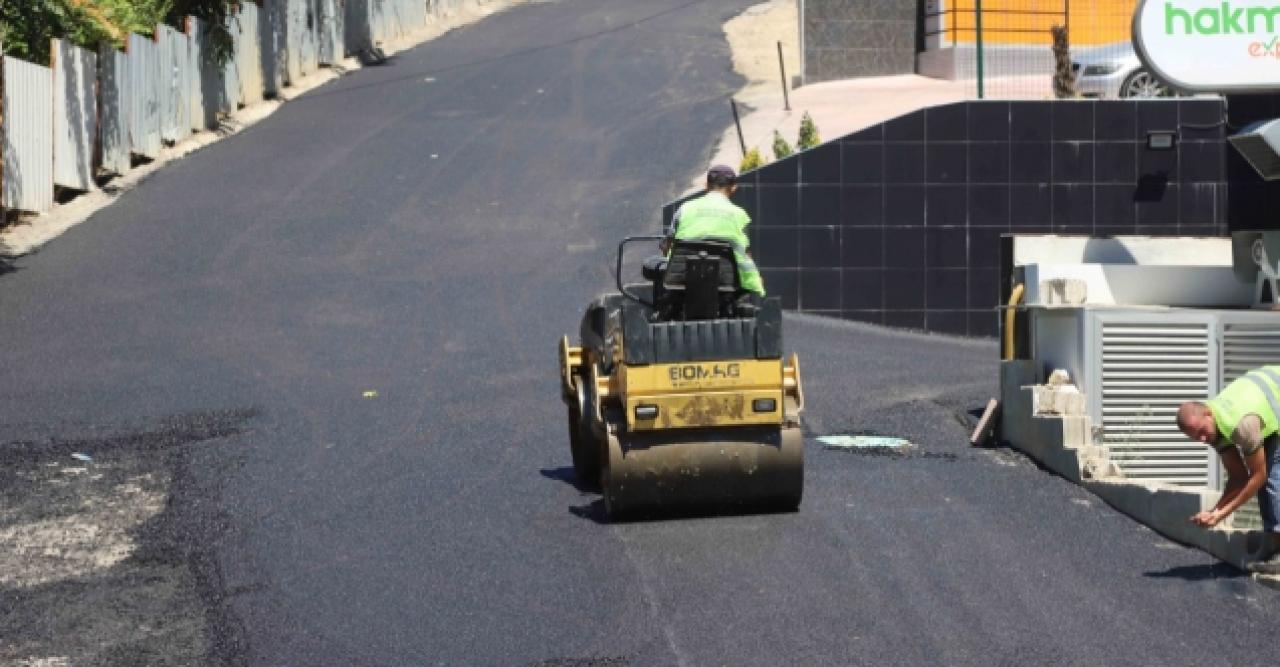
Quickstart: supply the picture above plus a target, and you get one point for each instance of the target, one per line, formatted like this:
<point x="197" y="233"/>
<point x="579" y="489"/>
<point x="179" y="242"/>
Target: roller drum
<point x="760" y="468"/>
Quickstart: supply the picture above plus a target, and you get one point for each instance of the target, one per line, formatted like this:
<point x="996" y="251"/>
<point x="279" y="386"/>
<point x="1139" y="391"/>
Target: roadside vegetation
<point x="808" y="137"/>
<point x="26" y="26"/>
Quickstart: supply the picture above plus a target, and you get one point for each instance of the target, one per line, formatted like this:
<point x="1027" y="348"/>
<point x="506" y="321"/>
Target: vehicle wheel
<point x="1143" y="84"/>
<point x="582" y="443"/>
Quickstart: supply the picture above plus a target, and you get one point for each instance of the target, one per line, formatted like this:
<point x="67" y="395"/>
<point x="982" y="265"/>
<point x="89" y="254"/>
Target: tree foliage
<point x="808" y="133"/>
<point x="781" y="148"/>
<point x="26" y="26"/>
<point x="752" y="160"/>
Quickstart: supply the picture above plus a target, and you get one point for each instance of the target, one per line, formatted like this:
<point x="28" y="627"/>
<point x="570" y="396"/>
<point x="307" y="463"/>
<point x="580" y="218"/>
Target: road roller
<point x="679" y="397"/>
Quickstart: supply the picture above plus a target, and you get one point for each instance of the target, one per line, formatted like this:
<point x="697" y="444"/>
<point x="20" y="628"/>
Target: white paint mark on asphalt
<point x="587" y="246"/>
<point x="1083" y="502"/>
<point x="651" y="601"/>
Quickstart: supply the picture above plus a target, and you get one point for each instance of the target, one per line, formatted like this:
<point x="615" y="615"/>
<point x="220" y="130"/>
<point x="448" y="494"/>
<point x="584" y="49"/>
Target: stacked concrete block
<point x="1062" y="440"/>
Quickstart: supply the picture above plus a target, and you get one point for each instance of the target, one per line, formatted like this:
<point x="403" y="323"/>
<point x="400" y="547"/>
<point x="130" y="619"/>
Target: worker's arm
<point x="1245" y="476"/>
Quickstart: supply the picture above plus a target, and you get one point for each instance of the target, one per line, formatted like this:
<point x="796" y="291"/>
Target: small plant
<point x="752" y="160"/>
<point x="781" y="148"/>
<point x="808" y="133"/>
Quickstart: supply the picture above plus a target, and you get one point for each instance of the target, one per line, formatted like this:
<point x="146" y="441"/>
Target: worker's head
<point x="1196" y="421"/>
<point x="723" y="179"/>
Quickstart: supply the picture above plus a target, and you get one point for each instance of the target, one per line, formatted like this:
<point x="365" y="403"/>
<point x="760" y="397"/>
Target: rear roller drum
<point x="746" y="468"/>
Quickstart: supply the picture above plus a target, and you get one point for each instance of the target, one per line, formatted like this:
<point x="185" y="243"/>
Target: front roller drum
<point x="743" y="469"/>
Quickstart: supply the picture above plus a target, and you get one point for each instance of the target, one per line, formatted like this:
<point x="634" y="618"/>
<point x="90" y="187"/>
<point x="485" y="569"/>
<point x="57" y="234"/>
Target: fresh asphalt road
<point x="427" y="230"/>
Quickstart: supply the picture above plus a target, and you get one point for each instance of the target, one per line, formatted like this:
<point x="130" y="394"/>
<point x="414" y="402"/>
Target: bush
<point x="808" y="133"/>
<point x="781" y="148"/>
<point x="752" y="160"/>
<point x="26" y="26"/>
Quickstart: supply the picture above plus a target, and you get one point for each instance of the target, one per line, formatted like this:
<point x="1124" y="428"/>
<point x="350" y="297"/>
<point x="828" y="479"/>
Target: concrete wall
<point x="848" y="38"/>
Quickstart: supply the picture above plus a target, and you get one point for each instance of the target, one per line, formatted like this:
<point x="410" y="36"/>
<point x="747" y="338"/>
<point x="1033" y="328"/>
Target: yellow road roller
<point x="678" y="393"/>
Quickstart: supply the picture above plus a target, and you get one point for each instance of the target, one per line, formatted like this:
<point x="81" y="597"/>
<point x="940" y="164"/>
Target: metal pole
<point x="786" y="99"/>
<point x="738" y="123"/>
<point x="977" y="24"/>
<point x="1066" y="18"/>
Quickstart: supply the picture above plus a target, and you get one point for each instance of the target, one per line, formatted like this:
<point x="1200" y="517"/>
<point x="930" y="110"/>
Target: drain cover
<point x="864" y="441"/>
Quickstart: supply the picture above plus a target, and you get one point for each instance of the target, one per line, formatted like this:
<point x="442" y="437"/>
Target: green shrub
<point x="752" y="160"/>
<point x="26" y="26"/>
<point x="808" y="133"/>
<point x="781" y="148"/>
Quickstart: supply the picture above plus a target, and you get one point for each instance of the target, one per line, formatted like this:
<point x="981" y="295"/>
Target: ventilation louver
<point x="1148" y="369"/>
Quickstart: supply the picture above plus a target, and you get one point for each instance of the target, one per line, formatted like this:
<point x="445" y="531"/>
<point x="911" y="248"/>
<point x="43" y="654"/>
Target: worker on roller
<point x="1241" y="424"/>
<point x="714" y="216"/>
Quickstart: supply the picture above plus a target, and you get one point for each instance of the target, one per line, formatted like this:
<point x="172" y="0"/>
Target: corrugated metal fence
<point x="75" y="115"/>
<point x="92" y="114"/>
<point x="28" y="136"/>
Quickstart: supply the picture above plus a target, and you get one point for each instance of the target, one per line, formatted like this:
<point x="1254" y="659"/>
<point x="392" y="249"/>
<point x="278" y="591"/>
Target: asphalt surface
<point x="426" y="230"/>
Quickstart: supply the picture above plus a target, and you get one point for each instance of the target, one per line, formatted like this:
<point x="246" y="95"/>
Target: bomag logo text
<point x="1225" y="19"/>
<point x="696" y="372"/>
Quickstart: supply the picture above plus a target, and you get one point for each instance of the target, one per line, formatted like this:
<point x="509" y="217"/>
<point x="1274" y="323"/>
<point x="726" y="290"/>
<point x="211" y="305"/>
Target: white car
<point x="1114" y="70"/>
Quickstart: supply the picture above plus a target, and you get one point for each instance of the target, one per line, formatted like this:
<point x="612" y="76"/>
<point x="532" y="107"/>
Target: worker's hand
<point x="664" y="245"/>
<point x="1207" y="518"/>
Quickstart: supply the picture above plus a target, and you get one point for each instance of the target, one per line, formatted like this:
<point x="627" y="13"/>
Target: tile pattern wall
<point x="1252" y="203"/>
<point x="900" y="224"/>
<point x="847" y="38"/>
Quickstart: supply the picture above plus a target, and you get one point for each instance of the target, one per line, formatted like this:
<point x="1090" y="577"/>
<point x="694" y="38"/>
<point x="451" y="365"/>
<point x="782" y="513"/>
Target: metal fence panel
<point x="28" y="136"/>
<point x="175" y="84"/>
<point x="300" y="32"/>
<point x="75" y="115"/>
<point x="294" y="25"/>
<point x="249" y="54"/>
<point x="379" y="22"/>
<point x="417" y="15"/>
<point x="114" y="93"/>
<point x="200" y="115"/>
<point x="357" y="26"/>
<point x="330" y="49"/>
<point x="144" y="109"/>
<point x="229" y="73"/>
<point x="271" y="51"/>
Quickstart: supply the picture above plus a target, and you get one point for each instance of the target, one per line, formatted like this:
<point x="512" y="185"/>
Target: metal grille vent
<point x="1244" y="348"/>
<point x="1148" y="369"/>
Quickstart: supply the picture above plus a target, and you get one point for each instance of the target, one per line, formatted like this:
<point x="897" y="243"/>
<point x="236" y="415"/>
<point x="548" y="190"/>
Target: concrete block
<point x="1064" y="291"/>
<point x="1058" y="400"/>
<point x="1076" y="431"/>
<point x="1058" y="378"/>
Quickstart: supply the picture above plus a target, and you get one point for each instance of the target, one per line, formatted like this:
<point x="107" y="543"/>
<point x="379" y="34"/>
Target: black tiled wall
<point x="899" y="224"/>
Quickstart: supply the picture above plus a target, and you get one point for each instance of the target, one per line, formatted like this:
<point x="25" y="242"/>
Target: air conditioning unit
<point x="1135" y="366"/>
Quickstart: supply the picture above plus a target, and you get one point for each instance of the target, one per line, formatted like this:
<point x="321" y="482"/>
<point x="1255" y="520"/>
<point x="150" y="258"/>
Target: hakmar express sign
<point x="1210" y="45"/>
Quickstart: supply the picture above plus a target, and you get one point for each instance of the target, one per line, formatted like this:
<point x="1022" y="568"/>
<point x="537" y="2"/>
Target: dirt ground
<point x="94" y="567"/>
<point x="754" y="36"/>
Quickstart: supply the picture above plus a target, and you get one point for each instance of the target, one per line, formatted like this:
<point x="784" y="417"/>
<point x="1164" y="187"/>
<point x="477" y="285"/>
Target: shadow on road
<point x="564" y="474"/>
<point x="1198" y="572"/>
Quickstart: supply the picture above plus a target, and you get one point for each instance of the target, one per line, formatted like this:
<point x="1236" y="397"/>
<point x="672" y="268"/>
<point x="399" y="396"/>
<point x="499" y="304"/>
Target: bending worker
<point x="713" y="216"/>
<point x="1241" y="424"/>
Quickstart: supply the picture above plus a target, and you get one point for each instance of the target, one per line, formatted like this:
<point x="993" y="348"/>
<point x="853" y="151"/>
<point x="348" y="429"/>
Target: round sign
<point x="1210" y="45"/>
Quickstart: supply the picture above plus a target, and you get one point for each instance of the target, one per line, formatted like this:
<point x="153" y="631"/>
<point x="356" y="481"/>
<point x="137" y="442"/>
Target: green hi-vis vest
<point x="1252" y="394"/>
<point x="714" y="216"/>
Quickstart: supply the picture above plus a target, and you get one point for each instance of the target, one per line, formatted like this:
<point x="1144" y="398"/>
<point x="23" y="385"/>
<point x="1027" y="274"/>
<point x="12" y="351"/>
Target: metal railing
<point x="1004" y="48"/>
